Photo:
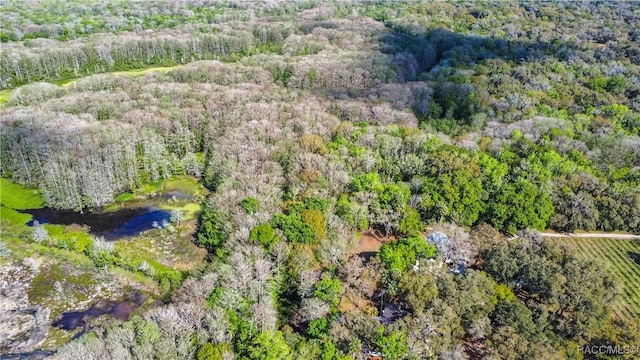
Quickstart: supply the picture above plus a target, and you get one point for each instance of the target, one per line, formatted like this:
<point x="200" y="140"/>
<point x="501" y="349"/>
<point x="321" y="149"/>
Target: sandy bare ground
<point x="591" y="235"/>
<point x="370" y="242"/>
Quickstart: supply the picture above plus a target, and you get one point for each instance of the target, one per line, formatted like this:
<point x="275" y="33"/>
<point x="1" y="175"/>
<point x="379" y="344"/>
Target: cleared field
<point x="622" y="256"/>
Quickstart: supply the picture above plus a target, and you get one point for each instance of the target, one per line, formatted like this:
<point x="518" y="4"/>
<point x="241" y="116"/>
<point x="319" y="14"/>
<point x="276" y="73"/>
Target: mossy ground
<point x="61" y="287"/>
<point x="164" y="249"/>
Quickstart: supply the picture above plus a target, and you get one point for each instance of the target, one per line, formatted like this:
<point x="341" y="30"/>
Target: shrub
<point x="214" y="230"/>
<point x="313" y="143"/>
<point x="410" y="222"/>
<point x="400" y="255"/>
<point x="264" y="235"/>
<point x="296" y="230"/>
<point x="329" y="290"/>
<point x="211" y="351"/>
<point x="316" y="220"/>
<point x="250" y="204"/>
<point x="319" y="328"/>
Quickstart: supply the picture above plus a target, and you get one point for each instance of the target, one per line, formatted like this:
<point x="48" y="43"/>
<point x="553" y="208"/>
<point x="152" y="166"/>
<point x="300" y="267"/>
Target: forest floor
<point x="370" y="242"/>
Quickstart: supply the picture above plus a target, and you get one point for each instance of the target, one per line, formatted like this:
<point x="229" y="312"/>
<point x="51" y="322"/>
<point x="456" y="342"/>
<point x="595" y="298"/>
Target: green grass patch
<point x="150" y="188"/>
<point x="19" y="197"/>
<point x="136" y="72"/>
<point x="139" y="72"/>
<point x="124" y="197"/>
<point x="4" y="97"/>
<point x="190" y="210"/>
<point x="68" y="237"/>
<point x="184" y="184"/>
<point x="13" y="217"/>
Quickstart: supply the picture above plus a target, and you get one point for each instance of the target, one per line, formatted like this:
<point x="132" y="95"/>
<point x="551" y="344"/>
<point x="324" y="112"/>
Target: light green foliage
<point x="401" y="254"/>
<point x="146" y="332"/>
<point x="316" y="220"/>
<point x="410" y="223"/>
<point x="329" y="289"/>
<point x="265" y="235"/>
<point x="296" y="230"/>
<point x="343" y="208"/>
<point x="211" y="351"/>
<point x="368" y="182"/>
<point x="250" y="204"/>
<point x="504" y="294"/>
<point x="269" y="346"/>
<point x="319" y="328"/>
<point x="393" y="345"/>
<point x="394" y="196"/>
<point x="18" y="197"/>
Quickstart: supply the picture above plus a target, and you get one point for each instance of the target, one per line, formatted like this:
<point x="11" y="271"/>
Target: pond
<point x="112" y="225"/>
<point x="120" y="310"/>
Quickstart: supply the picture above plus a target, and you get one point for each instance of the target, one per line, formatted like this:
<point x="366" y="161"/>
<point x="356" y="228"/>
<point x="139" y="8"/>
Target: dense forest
<point x="452" y="130"/>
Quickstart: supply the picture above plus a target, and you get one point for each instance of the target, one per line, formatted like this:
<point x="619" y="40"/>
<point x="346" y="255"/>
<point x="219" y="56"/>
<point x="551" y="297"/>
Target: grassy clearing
<point x="4" y="97"/>
<point x="137" y="72"/>
<point x="15" y="196"/>
<point x="619" y="255"/>
<point x="11" y="216"/>
<point x="69" y="237"/>
<point x="186" y="184"/>
<point x="190" y="210"/>
<point x="124" y="197"/>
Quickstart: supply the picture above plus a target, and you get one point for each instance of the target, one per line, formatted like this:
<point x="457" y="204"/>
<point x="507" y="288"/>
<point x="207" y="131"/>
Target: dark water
<point x="35" y="355"/>
<point x="120" y="310"/>
<point x="112" y="225"/>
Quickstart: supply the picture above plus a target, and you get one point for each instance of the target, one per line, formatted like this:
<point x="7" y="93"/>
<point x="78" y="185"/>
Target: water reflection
<point x="111" y="225"/>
